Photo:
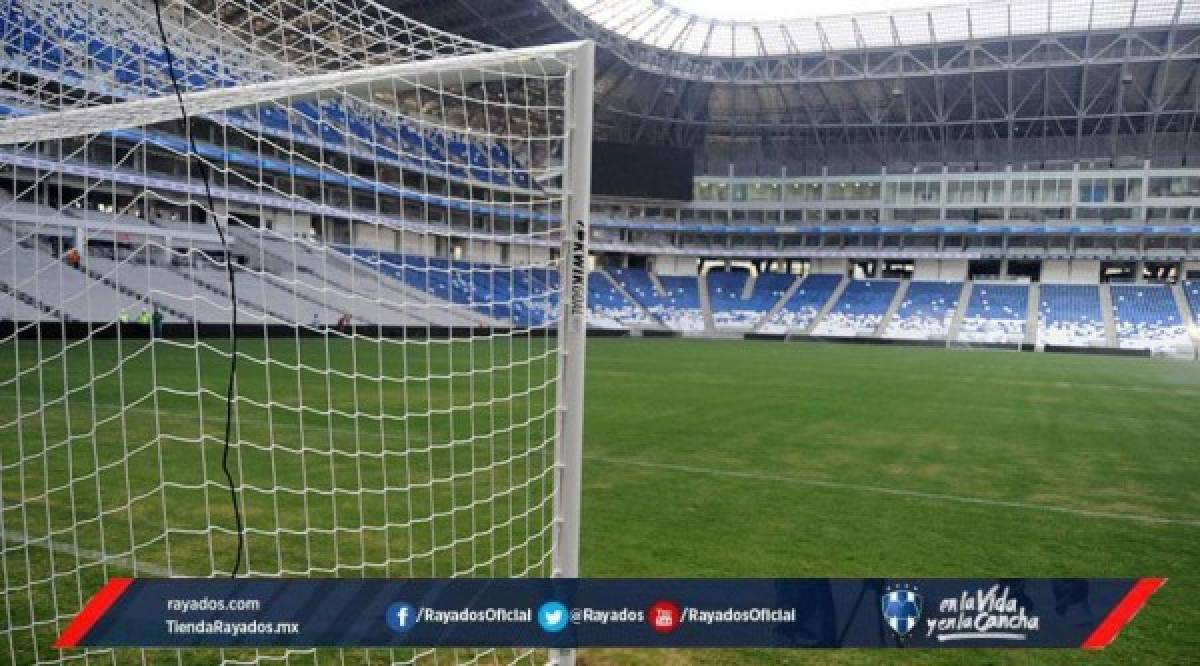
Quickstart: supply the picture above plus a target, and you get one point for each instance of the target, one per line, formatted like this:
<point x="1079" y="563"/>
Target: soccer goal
<point x="290" y="288"/>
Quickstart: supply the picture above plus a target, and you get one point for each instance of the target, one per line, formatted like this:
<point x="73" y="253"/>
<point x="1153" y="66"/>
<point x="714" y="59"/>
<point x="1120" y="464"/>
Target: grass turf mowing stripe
<point x="917" y="494"/>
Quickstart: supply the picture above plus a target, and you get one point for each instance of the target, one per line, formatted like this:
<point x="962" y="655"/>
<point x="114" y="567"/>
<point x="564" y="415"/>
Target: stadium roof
<point x="1006" y="80"/>
<point x="669" y="25"/>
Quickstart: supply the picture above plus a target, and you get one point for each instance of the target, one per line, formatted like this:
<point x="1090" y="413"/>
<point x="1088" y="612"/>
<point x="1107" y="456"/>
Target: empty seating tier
<point x="680" y="308"/>
<point x="608" y="307"/>
<point x="1147" y="318"/>
<point x="803" y="305"/>
<point x="725" y="299"/>
<point x="114" y="50"/>
<point x="1191" y="291"/>
<point x="524" y="296"/>
<point x="768" y="289"/>
<point x="925" y="312"/>
<point x="1070" y="315"/>
<point x="859" y="310"/>
<point x="995" y="313"/>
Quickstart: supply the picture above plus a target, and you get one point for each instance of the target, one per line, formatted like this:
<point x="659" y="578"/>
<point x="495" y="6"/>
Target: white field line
<point x="898" y="492"/>
<point x="119" y="561"/>
<point x="975" y="380"/>
<point x="143" y="568"/>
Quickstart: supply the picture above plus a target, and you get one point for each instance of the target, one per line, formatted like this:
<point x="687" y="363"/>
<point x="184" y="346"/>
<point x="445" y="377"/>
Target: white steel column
<point x="573" y="324"/>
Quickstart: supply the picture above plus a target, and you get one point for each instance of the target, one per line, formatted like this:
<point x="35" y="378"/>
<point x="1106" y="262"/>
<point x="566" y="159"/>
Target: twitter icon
<point x="552" y="616"/>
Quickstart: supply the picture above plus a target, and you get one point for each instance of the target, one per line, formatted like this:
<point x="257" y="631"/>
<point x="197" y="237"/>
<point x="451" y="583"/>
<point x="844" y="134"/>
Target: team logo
<point x="901" y="609"/>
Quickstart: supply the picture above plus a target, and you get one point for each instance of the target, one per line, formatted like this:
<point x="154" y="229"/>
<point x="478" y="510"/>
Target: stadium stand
<point x="680" y="308"/>
<point x="1070" y="315"/>
<point x="122" y="57"/>
<point x="528" y="299"/>
<point x="725" y="299"/>
<point x="319" y="287"/>
<point x="12" y="308"/>
<point x="1191" y="291"/>
<point x="1147" y="318"/>
<point x="925" y="312"/>
<point x="860" y="309"/>
<point x="337" y="285"/>
<point x="39" y="273"/>
<point x="636" y="282"/>
<point x="803" y="305"/>
<point x="767" y="290"/>
<point x="171" y="287"/>
<point x="609" y="308"/>
<point x="995" y="313"/>
<point x="115" y="51"/>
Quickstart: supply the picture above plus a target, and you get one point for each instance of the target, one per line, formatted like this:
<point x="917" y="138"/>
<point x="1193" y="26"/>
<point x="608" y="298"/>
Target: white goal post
<point x="285" y="301"/>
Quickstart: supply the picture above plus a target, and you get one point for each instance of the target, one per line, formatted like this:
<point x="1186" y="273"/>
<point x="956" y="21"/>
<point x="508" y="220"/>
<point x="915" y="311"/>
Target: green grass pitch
<point x="703" y="458"/>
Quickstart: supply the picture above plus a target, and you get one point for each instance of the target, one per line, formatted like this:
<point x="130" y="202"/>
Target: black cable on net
<point x="185" y="123"/>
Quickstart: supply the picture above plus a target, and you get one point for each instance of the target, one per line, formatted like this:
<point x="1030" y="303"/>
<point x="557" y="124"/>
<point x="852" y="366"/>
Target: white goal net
<point x="287" y="288"/>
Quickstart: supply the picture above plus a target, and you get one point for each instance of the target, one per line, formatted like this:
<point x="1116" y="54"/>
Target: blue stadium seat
<point x="1070" y="315"/>
<point x="525" y="296"/>
<point x="1147" y="317"/>
<point x="65" y="39"/>
<point x="1191" y="291"/>
<point x="725" y="299"/>
<point x="995" y="313"/>
<point x="680" y="308"/>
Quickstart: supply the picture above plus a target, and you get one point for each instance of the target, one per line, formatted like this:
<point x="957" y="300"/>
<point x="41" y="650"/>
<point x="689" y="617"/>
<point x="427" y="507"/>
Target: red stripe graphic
<point x="1122" y="613"/>
<point x="91" y="612"/>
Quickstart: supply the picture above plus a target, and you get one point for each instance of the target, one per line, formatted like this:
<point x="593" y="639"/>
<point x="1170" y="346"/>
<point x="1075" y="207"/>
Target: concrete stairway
<point x="1185" y="311"/>
<point x="658" y="286"/>
<point x="1106" y="309"/>
<point x="710" y="328"/>
<point x="223" y="293"/>
<point x="897" y="299"/>
<point x="291" y="290"/>
<point x="126" y="290"/>
<point x="748" y="290"/>
<point x="787" y="295"/>
<point x="1032" y="307"/>
<point x="323" y="267"/>
<point x="277" y="265"/>
<point x="964" y="297"/>
<point x="833" y="299"/>
<point x="50" y="311"/>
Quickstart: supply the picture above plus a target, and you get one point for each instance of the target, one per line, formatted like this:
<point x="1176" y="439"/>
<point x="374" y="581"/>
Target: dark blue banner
<point x="780" y="613"/>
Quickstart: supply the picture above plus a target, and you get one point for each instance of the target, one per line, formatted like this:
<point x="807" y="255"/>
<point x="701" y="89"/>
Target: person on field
<point x="144" y="317"/>
<point x="157" y="319"/>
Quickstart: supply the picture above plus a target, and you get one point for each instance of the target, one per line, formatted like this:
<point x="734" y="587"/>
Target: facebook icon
<point x="401" y="617"/>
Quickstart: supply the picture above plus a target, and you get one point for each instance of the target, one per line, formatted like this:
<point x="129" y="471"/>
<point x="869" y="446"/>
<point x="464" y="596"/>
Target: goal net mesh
<point x="377" y="205"/>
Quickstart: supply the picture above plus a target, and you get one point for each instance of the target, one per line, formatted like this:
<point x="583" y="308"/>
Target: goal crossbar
<point x="463" y="69"/>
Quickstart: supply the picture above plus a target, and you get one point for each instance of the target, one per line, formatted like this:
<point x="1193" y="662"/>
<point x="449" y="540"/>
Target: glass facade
<point x="1175" y="186"/>
<point x="1086" y="196"/>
